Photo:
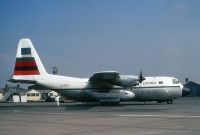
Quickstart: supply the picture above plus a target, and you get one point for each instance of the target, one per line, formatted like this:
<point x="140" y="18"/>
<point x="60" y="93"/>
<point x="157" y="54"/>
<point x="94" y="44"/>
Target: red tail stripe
<point x="28" y="72"/>
<point x="25" y="63"/>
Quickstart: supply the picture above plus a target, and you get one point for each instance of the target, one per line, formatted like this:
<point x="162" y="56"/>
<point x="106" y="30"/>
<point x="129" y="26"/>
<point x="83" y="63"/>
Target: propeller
<point x="141" y="77"/>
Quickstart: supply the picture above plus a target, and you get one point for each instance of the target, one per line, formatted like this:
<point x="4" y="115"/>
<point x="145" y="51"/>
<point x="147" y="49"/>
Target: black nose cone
<point x="185" y="92"/>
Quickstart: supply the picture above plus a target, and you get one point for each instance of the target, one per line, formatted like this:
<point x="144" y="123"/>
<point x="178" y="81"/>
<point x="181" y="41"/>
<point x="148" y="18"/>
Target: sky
<point x="81" y="37"/>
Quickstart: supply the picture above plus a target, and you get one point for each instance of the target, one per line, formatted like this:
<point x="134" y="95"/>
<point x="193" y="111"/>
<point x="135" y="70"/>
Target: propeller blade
<point x="141" y="77"/>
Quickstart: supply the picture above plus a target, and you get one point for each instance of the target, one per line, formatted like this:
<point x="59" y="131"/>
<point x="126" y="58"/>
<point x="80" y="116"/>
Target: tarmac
<point x="129" y="118"/>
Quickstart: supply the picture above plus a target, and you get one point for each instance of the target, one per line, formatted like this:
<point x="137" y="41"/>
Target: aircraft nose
<point x="185" y="91"/>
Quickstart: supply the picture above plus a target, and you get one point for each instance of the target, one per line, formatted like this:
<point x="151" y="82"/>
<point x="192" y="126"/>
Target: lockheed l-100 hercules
<point x="106" y="87"/>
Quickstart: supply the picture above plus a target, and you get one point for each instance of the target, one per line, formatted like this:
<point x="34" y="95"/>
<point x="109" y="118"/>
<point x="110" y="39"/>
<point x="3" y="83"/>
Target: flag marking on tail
<point x="26" y="66"/>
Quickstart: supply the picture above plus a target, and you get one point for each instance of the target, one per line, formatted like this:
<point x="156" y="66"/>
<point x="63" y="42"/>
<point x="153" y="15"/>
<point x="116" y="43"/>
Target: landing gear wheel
<point x="115" y="103"/>
<point x="103" y="103"/>
<point x="159" y="101"/>
<point x="108" y="103"/>
<point x="170" y="101"/>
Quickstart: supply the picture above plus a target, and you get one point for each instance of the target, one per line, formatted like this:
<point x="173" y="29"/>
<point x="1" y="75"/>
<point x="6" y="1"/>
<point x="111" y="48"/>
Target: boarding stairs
<point x="8" y="94"/>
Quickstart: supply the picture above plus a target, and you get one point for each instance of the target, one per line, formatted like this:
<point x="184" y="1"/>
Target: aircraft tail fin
<point x="28" y="65"/>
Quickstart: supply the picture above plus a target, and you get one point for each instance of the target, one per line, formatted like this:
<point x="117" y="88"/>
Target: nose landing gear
<point x="170" y="101"/>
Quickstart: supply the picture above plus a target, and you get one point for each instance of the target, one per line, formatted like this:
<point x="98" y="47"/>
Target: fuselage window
<point x="160" y="82"/>
<point x="32" y="94"/>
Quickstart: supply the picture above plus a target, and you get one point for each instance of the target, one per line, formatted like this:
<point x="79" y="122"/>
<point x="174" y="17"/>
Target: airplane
<point x="106" y="87"/>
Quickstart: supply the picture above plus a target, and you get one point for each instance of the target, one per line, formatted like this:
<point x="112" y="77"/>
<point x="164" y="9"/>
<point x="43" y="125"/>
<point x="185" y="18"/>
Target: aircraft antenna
<point x="54" y="70"/>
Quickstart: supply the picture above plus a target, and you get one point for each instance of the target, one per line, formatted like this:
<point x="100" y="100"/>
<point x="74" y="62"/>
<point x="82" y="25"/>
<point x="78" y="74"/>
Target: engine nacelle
<point x="128" y="80"/>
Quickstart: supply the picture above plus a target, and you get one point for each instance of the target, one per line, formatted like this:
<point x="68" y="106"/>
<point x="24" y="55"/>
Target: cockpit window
<point x="175" y="81"/>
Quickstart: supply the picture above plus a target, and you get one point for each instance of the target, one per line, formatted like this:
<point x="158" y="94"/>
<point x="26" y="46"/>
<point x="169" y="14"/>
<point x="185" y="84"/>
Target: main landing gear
<point x="170" y="101"/>
<point x="108" y="103"/>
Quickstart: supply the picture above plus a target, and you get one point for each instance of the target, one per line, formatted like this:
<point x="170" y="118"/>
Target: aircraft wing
<point x="105" y="78"/>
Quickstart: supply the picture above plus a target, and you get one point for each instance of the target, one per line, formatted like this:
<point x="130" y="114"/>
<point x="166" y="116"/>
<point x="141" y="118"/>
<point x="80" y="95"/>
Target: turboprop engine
<point x="130" y="80"/>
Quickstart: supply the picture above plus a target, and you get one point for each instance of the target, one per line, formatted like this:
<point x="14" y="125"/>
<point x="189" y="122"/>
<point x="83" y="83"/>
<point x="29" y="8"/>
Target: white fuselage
<point x="81" y="89"/>
<point x="151" y="89"/>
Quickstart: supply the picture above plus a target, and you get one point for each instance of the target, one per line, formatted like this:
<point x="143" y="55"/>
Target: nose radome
<point x="181" y="85"/>
<point x="185" y="91"/>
